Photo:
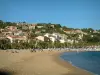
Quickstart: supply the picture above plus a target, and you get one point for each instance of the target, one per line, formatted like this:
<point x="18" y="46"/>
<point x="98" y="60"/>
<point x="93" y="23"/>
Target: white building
<point x="32" y="26"/>
<point x="55" y="35"/>
<point x="47" y="35"/>
<point x="62" y="41"/>
<point x="39" y="26"/>
<point x="53" y="39"/>
<point x="52" y="26"/>
<point x="70" y="41"/>
<point x="80" y="36"/>
<point x="41" y="38"/>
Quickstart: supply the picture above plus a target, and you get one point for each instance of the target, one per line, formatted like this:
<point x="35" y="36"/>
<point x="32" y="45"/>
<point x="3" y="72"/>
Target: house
<point x="52" y="26"/>
<point x="22" y="23"/>
<point x="56" y="36"/>
<point x="41" y="38"/>
<point x="80" y="31"/>
<point x="47" y="35"/>
<point x="52" y="38"/>
<point x="68" y="31"/>
<point x="63" y="38"/>
<point x="32" y="26"/>
<point x="18" y="38"/>
<point x="18" y="32"/>
<point x="24" y="34"/>
<point x="62" y="41"/>
<point x="39" y="26"/>
<point x="80" y="36"/>
<point x="11" y="28"/>
<point x="70" y="41"/>
<point x="25" y="27"/>
<point x="95" y="31"/>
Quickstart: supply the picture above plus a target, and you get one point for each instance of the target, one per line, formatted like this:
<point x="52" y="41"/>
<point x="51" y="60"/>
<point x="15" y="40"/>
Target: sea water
<point x="89" y="61"/>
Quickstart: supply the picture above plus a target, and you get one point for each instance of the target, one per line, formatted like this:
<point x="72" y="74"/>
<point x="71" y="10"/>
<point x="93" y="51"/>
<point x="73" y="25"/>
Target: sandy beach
<point x="37" y="63"/>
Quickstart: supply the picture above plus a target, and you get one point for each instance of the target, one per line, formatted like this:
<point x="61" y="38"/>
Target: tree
<point x="5" y="44"/>
<point x="87" y="30"/>
<point x="1" y="24"/>
<point x="57" y="44"/>
<point x="42" y="45"/>
<point x="32" y="36"/>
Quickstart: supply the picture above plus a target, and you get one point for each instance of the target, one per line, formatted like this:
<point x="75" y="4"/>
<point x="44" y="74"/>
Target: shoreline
<point x="62" y="62"/>
<point x="44" y="63"/>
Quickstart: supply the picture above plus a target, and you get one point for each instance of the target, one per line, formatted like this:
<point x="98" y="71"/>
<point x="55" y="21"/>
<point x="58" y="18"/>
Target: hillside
<point x="45" y="35"/>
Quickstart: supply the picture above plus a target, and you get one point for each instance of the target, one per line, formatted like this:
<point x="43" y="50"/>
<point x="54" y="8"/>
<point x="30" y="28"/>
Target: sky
<point x="70" y="13"/>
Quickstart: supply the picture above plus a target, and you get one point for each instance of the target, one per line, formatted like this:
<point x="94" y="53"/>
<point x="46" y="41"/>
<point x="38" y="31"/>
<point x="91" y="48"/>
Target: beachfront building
<point x="56" y="36"/>
<point x="53" y="37"/>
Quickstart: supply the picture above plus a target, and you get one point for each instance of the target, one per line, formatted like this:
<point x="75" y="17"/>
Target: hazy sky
<point x="72" y="13"/>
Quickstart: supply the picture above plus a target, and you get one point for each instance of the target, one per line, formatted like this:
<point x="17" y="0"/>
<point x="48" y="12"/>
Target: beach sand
<point x="36" y="63"/>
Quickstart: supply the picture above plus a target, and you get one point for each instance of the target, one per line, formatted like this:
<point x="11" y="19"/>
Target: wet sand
<point x="37" y="63"/>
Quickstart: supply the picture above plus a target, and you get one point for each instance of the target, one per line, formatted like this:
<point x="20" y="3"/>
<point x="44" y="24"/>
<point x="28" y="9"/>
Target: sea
<point x="89" y="60"/>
